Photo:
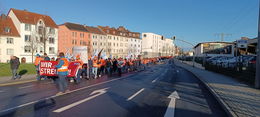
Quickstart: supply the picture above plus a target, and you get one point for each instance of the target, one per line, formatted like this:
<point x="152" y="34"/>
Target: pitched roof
<point x="6" y="22"/>
<point x="73" y="26"/>
<point x="120" y="31"/>
<point x="94" y="30"/>
<point x="32" y="18"/>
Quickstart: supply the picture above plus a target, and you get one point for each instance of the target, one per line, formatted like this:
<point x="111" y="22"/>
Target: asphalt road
<point x="150" y="93"/>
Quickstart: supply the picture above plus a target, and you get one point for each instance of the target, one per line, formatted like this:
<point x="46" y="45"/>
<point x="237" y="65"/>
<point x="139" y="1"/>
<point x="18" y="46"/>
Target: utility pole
<point x="257" y="73"/>
<point x="222" y="36"/>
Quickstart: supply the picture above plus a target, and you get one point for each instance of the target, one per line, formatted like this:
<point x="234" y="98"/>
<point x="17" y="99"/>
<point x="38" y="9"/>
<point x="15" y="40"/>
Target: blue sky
<point x="191" y="20"/>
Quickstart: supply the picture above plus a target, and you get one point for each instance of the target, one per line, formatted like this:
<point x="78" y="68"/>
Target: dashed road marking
<point x="130" y="98"/>
<point x="26" y="87"/>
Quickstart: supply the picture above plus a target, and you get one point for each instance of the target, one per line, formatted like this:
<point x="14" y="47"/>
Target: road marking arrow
<point x="96" y="92"/>
<point x="171" y="107"/>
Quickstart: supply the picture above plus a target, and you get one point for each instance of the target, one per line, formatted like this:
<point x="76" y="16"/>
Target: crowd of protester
<point x="95" y="67"/>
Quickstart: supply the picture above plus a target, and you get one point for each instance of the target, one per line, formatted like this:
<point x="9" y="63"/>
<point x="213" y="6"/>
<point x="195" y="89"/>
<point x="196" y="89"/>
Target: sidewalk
<point x="6" y="80"/>
<point x="237" y="99"/>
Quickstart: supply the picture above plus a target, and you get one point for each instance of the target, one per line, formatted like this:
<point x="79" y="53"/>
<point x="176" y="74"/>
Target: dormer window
<point x="7" y="29"/>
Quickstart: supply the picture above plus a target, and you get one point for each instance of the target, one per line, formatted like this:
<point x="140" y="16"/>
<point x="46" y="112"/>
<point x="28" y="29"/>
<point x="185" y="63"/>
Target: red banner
<point x="47" y="68"/>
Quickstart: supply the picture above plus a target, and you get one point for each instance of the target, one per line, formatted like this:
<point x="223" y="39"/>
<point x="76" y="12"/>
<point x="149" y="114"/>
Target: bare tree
<point x="32" y="43"/>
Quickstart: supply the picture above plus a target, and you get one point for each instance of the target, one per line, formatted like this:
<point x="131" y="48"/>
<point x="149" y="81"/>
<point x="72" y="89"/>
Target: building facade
<point x="38" y="34"/>
<point x="214" y="49"/>
<point x="122" y="42"/>
<point x="154" y="45"/>
<point x="71" y="35"/>
<point x="9" y="39"/>
<point x="98" y="40"/>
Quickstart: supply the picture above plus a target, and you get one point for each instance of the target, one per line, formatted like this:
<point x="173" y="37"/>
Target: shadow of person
<point x="22" y="72"/>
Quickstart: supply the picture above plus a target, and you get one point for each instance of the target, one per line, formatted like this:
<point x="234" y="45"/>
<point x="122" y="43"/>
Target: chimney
<point x="3" y="16"/>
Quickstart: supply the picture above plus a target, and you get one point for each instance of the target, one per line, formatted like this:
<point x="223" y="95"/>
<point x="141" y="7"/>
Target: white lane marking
<point x="1" y="91"/>
<point x="155" y="80"/>
<point x="26" y="87"/>
<point x="33" y="102"/>
<point x="135" y="94"/>
<point x="96" y="92"/>
<point x="171" y="107"/>
<point x="159" y="76"/>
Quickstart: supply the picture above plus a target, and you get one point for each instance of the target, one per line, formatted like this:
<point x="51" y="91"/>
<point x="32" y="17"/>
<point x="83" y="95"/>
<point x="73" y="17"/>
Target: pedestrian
<point x="99" y="68"/>
<point x="103" y="64"/>
<point x="79" y="73"/>
<point x="109" y="66"/>
<point x="52" y="59"/>
<point x="89" y="67"/>
<point x="114" y="65"/>
<point x="14" y="65"/>
<point x="46" y="57"/>
<point x="95" y="67"/>
<point x="62" y="69"/>
<point x="120" y="66"/>
<point x="37" y="61"/>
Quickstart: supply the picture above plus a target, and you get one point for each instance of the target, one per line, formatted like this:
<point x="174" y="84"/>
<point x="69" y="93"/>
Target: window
<point x="27" y="27"/>
<point x="52" y="31"/>
<point x="10" y="40"/>
<point x="10" y="51"/>
<point x="40" y="30"/>
<point x="81" y="42"/>
<point x="27" y="49"/>
<point x="51" y="50"/>
<point x="7" y="29"/>
<point x="41" y="39"/>
<point x="27" y="38"/>
<point x="100" y="44"/>
<point x="81" y="35"/>
<point x="51" y="40"/>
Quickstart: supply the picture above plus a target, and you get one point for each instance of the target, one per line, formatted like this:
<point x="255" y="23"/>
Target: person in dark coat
<point x="14" y="65"/>
<point x="46" y="57"/>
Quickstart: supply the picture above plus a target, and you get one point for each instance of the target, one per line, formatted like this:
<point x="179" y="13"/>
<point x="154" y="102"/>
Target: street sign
<point x="241" y="43"/>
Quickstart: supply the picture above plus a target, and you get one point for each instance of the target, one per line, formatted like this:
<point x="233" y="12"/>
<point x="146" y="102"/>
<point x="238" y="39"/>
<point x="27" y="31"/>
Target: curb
<point x="214" y="93"/>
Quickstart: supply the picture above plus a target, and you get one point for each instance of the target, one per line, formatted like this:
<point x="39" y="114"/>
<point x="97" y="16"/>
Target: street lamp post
<point x="257" y="73"/>
<point x="193" y="57"/>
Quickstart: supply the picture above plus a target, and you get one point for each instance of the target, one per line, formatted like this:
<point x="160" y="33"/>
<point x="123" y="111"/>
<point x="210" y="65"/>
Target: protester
<point x="114" y="65"/>
<point x="46" y="57"/>
<point x="14" y="65"/>
<point x="120" y="66"/>
<point x="102" y="68"/>
<point x="95" y="67"/>
<point x="62" y="69"/>
<point x="89" y="67"/>
<point x="37" y="66"/>
<point x="109" y="66"/>
<point x="80" y="68"/>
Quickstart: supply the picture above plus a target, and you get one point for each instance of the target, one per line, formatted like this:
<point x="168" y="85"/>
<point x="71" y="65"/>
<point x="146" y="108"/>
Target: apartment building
<point x="38" y="33"/>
